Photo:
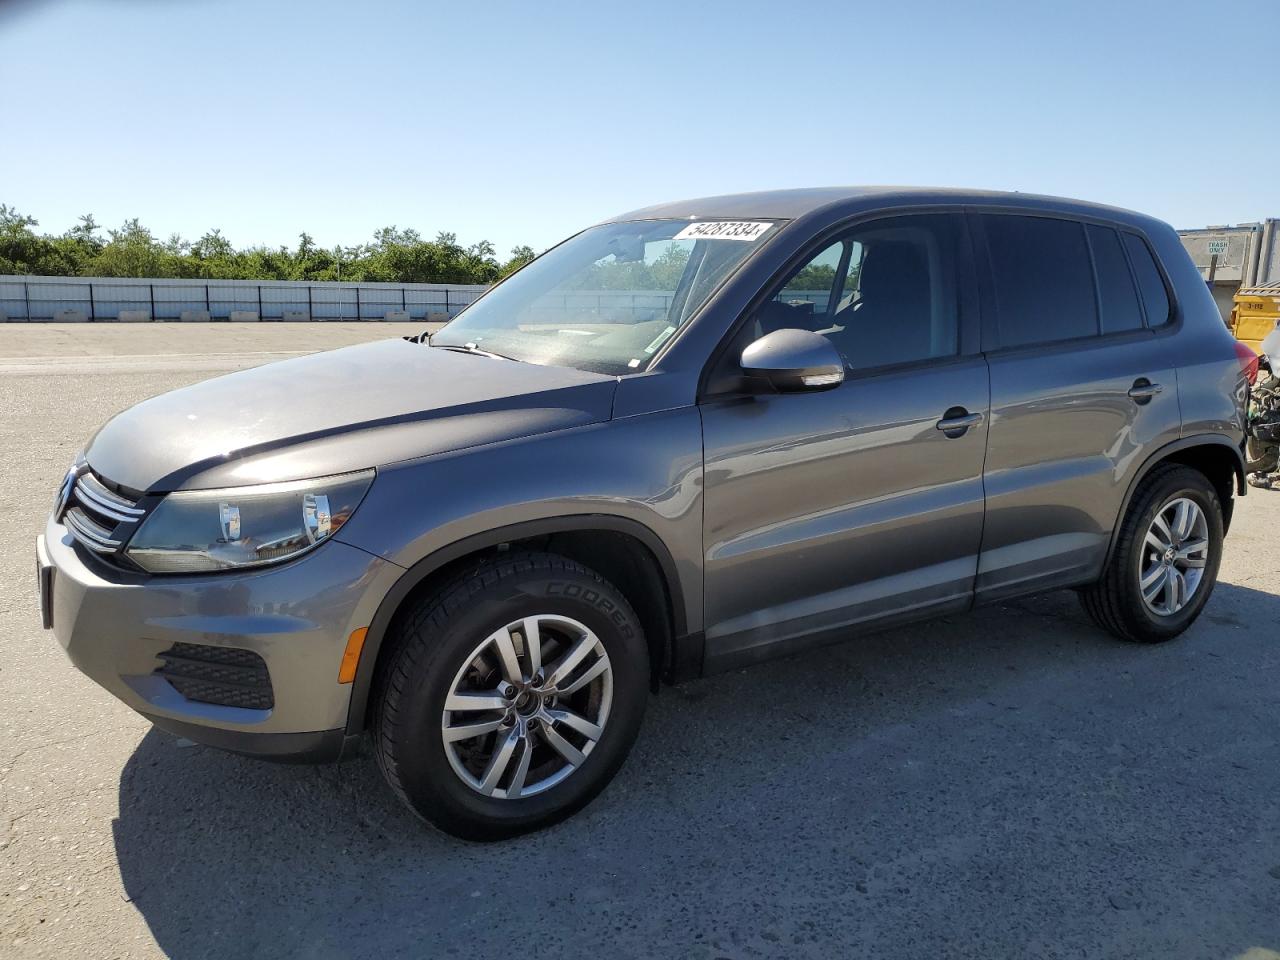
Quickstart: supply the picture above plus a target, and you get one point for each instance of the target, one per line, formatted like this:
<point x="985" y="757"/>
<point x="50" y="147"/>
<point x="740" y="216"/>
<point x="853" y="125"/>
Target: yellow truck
<point x="1256" y="313"/>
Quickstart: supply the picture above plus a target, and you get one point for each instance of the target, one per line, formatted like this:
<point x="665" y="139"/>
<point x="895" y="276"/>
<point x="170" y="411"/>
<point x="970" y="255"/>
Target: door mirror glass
<point x="794" y="360"/>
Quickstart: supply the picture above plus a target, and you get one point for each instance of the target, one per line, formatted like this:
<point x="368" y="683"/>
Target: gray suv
<point x="687" y="439"/>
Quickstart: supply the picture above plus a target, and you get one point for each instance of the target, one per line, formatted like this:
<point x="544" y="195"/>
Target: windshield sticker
<point x="658" y="340"/>
<point x="724" y="230"/>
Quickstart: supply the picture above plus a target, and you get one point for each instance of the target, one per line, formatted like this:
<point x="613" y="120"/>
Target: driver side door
<point x="853" y="505"/>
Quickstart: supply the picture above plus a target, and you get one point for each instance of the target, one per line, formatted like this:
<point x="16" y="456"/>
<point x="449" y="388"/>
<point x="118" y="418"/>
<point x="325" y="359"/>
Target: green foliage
<point x="816" y="276"/>
<point x="519" y="257"/>
<point x="663" y="273"/>
<point x="394" y="255"/>
<point x="132" y="252"/>
<point x="669" y="267"/>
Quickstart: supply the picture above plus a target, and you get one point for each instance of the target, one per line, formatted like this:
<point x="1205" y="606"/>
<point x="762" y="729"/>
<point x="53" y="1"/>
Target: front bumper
<point x="322" y="746"/>
<point x="113" y="625"/>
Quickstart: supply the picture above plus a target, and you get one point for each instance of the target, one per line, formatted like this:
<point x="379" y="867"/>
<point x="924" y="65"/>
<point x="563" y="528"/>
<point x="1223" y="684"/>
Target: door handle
<point x="1143" y="390"/>
<point x="956" y="421"/>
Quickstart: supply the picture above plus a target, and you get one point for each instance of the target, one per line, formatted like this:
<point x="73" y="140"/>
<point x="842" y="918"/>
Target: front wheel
<point x="1165" y="562"/>
<point x="511" y="697"/>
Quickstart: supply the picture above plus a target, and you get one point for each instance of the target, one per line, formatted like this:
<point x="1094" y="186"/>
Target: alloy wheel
<point x="1173" y="556"/>
<point x="527" y="707"/>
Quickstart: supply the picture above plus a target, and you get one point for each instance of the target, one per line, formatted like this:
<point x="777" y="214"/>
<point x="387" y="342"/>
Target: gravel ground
<point x="1011" y="783"/>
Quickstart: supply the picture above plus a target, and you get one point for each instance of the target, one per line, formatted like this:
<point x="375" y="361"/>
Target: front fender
<point x="637" y="475"/>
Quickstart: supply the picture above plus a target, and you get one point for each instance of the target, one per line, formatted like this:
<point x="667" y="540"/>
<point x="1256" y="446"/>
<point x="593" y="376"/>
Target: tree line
<point x="394" y="255"/>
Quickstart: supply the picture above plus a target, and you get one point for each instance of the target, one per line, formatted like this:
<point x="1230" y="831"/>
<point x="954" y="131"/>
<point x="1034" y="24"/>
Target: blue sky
<point x="521" y="122"/>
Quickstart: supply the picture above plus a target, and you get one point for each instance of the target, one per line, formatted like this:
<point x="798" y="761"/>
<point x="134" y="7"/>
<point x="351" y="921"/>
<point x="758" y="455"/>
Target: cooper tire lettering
<point x="573" y="591"/>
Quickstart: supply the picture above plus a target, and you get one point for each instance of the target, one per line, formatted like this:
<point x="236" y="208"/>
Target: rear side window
<point x="1116" y="294"/>
<point x="1043" y="279"/>
<point x="1154" y="295"/>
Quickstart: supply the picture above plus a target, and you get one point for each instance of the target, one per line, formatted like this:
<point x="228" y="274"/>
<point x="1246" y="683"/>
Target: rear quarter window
<point x="1043" y="279"/>
<point x="1117" y="296"/>
<point x="1155" y="298"/>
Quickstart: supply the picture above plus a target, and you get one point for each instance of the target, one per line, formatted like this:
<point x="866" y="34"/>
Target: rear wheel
<point x="511" y="697"/>
<point x="1166" y="558"/>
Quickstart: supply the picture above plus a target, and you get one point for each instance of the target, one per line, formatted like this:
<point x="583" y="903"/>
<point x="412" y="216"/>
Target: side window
<point x="1116" y="294"/>
<point x="1043" y="279"/>
<point x="1154" y="296"/>
<point x="884" y="293"/>
<point x="811" y="289"/>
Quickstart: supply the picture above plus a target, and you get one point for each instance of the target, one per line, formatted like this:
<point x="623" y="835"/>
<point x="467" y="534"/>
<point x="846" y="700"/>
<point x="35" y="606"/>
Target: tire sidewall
<point x="426" y="775"/>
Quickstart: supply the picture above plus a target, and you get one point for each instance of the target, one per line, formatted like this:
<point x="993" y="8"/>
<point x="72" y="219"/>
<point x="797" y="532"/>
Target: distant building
<point x="1247" y="255"/>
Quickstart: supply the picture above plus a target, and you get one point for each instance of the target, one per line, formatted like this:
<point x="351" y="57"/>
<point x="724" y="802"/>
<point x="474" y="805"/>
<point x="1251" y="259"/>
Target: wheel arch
<point x="1214" y="455"/>
<point x="616" y="547"/>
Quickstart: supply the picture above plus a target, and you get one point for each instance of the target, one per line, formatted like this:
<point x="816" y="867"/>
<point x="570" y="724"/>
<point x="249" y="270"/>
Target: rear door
<point x="846" y="506"/>
<point x="1082" y="390"/>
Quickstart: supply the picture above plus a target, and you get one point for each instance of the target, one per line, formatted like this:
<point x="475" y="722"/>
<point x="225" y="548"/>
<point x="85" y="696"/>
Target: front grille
<point x="226" y="676"/>
<point x="100" y="518"/>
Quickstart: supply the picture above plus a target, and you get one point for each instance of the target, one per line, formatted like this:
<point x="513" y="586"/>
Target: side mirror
<point x="794" y="360"/>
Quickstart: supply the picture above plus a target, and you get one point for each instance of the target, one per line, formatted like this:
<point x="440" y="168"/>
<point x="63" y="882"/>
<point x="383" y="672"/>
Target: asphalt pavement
<point x="1010" y="783"/>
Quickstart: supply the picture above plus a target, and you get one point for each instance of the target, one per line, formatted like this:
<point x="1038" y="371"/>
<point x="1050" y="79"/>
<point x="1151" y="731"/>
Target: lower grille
<point x="226" y="676"/>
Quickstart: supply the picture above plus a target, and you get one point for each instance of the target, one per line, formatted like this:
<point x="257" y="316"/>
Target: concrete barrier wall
<point x="126" y="300"/>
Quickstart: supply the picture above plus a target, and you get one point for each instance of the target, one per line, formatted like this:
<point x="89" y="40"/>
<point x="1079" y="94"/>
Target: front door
<point x="861" y="503"/>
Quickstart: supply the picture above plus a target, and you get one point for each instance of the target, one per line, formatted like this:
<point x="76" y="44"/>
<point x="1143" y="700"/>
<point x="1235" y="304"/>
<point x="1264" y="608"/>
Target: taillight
<point x="1248" y="362"/>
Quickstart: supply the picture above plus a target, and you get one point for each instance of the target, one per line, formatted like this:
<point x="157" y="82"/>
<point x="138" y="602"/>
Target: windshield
<point x="608" y="298"/>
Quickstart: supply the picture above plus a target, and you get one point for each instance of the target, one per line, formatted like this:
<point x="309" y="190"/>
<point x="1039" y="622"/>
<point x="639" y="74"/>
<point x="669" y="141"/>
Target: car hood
<point x="346" y="409"/>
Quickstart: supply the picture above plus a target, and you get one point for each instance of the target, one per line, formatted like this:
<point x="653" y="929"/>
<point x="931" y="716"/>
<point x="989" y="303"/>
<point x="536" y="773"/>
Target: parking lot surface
<point x="1012" y="783"/>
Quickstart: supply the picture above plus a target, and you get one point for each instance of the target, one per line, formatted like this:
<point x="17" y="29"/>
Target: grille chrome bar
<point x="93" y="536"/>
<point x="97" y="517"/>
<point x="101" y="500"/>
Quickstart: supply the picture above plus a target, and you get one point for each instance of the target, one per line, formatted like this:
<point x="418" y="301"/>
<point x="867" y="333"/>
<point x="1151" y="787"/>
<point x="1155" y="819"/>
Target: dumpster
<point x="1256" y="313"/>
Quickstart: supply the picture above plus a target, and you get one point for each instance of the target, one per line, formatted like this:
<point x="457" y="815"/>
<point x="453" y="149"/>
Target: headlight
<point x="198" y="530"/>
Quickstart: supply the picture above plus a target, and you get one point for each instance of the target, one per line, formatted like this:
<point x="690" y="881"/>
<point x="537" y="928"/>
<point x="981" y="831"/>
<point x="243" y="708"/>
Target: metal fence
<point x="113" y="299"/>
<point x="628" y="306"/>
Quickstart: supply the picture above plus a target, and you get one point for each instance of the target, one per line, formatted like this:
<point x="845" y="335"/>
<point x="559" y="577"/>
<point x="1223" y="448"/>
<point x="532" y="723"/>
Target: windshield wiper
<point x="471" y="348"/>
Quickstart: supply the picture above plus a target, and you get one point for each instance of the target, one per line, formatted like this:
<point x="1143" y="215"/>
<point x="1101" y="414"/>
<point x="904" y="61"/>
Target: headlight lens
<point x="198" y="530"/>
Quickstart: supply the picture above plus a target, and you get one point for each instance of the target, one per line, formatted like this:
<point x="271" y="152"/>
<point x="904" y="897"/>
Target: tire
<point x="444" y="650"/>
<point x="1116" y="602"/>
<point x="1260" y="455"/>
